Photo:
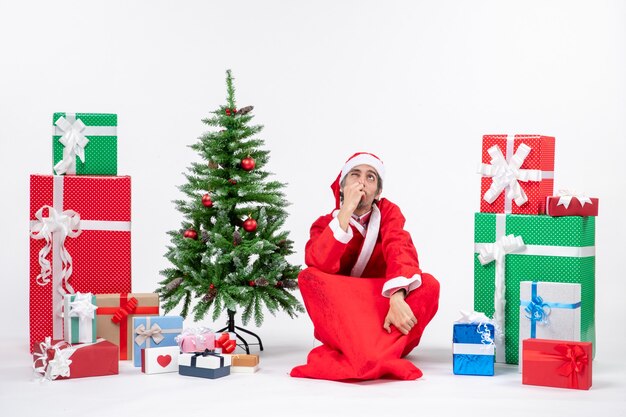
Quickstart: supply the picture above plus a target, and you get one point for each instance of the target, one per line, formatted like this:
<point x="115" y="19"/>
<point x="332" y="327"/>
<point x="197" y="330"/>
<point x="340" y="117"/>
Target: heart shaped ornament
<point x="159" y="360"/>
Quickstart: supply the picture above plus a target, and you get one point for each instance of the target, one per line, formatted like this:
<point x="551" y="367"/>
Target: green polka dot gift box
<point x="84" y="143"/>
<point x="511" y="248"/>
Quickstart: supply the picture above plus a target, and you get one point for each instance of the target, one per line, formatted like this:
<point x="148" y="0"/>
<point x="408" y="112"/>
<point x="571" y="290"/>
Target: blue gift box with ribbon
<point x="549" y="310"/>
<point x="473" y="349"/>
<point x="153" y="331"/>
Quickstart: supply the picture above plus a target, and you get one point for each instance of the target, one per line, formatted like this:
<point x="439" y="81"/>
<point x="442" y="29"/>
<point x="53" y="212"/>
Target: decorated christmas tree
<point x="231" y="252"/>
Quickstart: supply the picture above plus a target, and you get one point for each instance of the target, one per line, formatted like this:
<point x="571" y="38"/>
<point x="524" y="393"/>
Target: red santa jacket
<point x="393" y="255"/>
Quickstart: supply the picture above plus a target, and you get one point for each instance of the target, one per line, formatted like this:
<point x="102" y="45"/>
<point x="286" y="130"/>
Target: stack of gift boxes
<point x="534" y="266"/>
<point x="84" y="318"/>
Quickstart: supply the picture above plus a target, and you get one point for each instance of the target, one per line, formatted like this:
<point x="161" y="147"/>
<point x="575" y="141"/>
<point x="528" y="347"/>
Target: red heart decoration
<point x="164" y="360"/>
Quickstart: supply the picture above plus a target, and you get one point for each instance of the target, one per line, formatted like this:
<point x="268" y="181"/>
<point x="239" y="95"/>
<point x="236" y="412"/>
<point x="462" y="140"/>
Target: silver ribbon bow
<point x="154" y="332"/>
<point x="63" y="225"/>
<point x="74" y="142"/>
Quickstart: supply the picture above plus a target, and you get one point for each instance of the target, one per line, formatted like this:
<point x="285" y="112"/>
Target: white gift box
<point x="244" y="369"/>
<point x="204" y="365"/>
<point x="549" y="310"/>
<point x="159" y="360"/>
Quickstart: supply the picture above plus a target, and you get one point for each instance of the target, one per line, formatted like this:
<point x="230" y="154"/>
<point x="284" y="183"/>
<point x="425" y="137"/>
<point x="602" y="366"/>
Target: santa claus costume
<point x="346" y="286"/>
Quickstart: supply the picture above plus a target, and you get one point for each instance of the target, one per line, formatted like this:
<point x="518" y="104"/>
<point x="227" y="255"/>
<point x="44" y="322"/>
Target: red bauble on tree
<point x="232" y="181"/>
<point x="248" y="163"/>
<point x="249" y="225"/>
<point x="251" y="283"/>
<point x="231" y="112"/>
<point x="206" y="201"/>
<point x="190" y="234"/>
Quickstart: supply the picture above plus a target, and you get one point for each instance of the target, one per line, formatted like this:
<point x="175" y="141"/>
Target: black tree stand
<point x="230" y="327"/>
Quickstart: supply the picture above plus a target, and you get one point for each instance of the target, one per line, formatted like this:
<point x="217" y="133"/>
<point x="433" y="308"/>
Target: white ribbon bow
<point x="567" y="195"/>
<point x="65" y="224"/>
<point x="472" y="317"/>
<point x="508" y="174"/>
<point x="82" y="307"/>
<point x="496" y="252"/>
<point x="154" y="332"/>
<point x="74" y="143"/>
<point x="60" y="363"/>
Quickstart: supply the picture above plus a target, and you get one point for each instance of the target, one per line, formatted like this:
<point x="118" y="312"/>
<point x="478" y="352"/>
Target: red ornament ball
<point x="279" y="284"/>
<point x="211" y="286"/>
<point x="249" y="225"/>
<point x="248" y="163"/>
<point x="227" y="112"/>
<point x="251" y="283"/>
<point x="206" y="201"/>
<point x="190" y="234"/>
<point x="232" y="181"/>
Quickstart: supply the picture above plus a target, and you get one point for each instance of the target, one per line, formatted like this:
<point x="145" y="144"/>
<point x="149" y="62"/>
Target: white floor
<point x="272" y="392"/>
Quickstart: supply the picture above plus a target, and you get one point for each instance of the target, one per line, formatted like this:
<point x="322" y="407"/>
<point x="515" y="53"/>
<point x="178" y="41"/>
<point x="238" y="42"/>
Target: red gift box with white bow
<point x="80" y="242"/>
<point x="518" y="173"/>
<point x="571" y="204"/>
<point x="557" y="363"/>
<point x="57" y="359"/>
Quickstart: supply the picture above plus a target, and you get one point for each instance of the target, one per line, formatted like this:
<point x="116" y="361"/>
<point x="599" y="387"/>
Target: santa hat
<point x="358" y="158"/>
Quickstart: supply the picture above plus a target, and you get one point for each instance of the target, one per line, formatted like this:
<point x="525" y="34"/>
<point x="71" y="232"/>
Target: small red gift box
<point x="557" y="363"/>
<point x="571" y="205"/>
<point x="57" y="359"/>
<point x="80" y="242"/>
<point x="518" y="173"/>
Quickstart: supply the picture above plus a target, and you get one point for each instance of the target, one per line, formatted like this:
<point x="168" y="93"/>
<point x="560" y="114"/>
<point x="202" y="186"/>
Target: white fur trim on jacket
<point x="401" y="283"/>
<point x="340" y="234"/>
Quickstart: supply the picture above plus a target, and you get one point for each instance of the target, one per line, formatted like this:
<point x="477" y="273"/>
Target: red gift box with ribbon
<point x="518" y="173"/>
<point x="557" y="363"/>
<point x="114" y="317"/>
<point x="80" y="242"/>
<point x="57" y="359"/>
<point x="571" y="204"/>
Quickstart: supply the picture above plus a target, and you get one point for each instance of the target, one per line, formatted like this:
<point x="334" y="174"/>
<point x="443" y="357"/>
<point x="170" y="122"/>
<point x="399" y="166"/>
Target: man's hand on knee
<point x="400" y="314"/>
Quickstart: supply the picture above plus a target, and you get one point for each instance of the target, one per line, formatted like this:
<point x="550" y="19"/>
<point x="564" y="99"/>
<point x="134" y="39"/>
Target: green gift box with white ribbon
<point x="84" y="143"/>
<point x="79" y="318"/>
<point x="513" y="248"/>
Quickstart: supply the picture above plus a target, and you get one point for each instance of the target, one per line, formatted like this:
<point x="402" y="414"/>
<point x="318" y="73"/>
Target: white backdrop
<point x="416" y="82"/>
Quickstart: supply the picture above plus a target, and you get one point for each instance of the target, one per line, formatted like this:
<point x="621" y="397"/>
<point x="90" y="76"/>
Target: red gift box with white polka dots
<point x="540" y="159"/>
<point x="80" y="242"/>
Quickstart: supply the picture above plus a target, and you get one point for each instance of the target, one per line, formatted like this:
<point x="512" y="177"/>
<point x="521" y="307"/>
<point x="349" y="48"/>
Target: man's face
<point x="366" y="176"/>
